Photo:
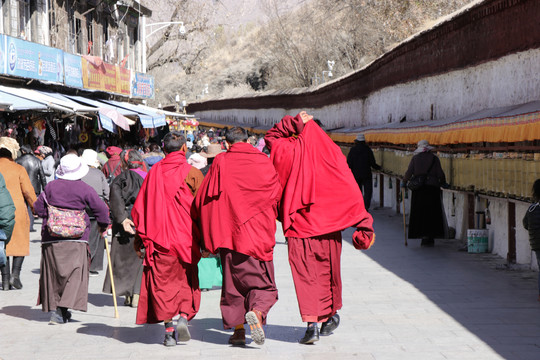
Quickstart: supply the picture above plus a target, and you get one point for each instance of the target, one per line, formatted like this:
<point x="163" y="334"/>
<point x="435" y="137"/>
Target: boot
<point x="5" y="275"/>
<point x="14" y="279"/>
<point x="238" y="338"/>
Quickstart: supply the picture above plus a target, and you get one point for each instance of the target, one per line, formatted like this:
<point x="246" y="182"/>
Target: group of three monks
<point x="180" y="216"/>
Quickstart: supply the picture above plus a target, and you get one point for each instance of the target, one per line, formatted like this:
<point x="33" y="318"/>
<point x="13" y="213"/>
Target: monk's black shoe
<point x="311" y="335"/>
<point x="170" y="339"/>
<point x="182" y="329"/>
<point x="330" y="325"/>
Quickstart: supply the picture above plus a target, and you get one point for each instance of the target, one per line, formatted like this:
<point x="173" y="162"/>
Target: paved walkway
<point x="399" y="303"/>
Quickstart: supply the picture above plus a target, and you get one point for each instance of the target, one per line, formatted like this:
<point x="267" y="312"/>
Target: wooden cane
<point x="404" y="217"/>
<point x="111" y="276"/>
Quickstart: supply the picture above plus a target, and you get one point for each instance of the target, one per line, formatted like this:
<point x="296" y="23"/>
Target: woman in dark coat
<point x="63" y="281"/>
<point x="531" y="222"/>
<point x="427" y="218"/>
<point x="126" y="265"/>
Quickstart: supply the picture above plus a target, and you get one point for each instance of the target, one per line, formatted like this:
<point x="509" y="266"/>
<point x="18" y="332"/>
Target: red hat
<point x="113" y="150"/>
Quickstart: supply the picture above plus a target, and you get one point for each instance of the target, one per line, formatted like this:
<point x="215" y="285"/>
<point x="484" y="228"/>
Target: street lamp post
<point x="330" y="64"/>
<point x="162" y="25"/>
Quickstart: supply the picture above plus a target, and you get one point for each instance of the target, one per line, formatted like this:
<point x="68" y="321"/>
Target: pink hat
<point x="197" y="161"/>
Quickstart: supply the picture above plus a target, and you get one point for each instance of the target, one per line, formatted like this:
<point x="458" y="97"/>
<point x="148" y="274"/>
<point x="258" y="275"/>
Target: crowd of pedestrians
<point x="182" y="219"/>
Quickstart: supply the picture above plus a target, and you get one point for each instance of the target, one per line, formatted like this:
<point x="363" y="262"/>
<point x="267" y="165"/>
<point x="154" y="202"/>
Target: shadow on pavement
<point x="499" y="307"/>
<point x="101" y="300"/>
<point x="211" y="330"/>
<point x="25" y="312"/>
<point x="125" y="334"/>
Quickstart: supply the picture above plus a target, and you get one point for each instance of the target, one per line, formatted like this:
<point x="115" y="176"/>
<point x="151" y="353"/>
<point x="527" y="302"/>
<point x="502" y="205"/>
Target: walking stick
<point x="404" y="217"/>
<point x="111" y="276"/>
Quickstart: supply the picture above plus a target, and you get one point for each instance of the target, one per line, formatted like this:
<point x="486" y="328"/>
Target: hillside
<point x="237" y="47"/>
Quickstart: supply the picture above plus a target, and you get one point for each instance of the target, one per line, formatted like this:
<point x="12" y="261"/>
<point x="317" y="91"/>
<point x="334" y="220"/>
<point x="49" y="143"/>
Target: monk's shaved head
<point x="236" y="134"/>
<point x="173" y="141"/>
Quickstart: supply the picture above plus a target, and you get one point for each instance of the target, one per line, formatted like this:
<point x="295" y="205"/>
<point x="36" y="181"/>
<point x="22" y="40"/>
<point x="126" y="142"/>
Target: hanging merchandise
<point x="83" y="137"/>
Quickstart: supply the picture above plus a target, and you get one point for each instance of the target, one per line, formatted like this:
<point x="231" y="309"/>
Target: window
<point x="24" y="19"/>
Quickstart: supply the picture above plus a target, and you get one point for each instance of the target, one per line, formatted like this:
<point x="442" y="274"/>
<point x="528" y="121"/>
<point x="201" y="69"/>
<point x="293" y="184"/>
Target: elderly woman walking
<point x="427" y="220"/>
<point x="126" y="265"/>
<point x="63" y="283"/>
<point x="96" y="179"/>
<point x="22" y="192"/>
<point x="45" y="154"/>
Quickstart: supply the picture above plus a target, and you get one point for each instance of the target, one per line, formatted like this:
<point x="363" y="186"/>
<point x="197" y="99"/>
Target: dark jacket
<point x="7" y="210"/>
<point x="361" y="160"/>
<point x="421" y="163"/>
<point x="35" y="171"/>
<point x="531" y="222"/>
<point x="124" y="191"/>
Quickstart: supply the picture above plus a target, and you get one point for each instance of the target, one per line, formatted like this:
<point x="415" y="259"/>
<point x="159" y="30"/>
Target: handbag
<point x="65" y="223"/>
<point x="417" y="181"/>
<point x="3" y="258"/>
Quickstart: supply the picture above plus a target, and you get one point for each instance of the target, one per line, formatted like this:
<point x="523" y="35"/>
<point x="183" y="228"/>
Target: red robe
<point x="320" y="195"/>
<point x="161" y="214"/>
<point x="320" y="198"/>
<point x="237" y="203"/>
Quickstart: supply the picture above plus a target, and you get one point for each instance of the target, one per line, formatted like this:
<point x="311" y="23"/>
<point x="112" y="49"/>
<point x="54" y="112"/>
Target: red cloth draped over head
<point x="161" y="212"/>
<point x="236" y="204"/>
<point x="320" y="194"/>
<point x="113" y="150"/>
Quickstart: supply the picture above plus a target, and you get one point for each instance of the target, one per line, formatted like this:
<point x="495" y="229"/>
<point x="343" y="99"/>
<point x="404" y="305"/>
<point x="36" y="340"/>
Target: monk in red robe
<point x="320" y="199"/>
<point x="161" y="214"/>
<point x="236" y="207"/>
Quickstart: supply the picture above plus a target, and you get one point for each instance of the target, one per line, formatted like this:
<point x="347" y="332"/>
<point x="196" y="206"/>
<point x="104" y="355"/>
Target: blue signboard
<point x="73" y="70"/>
<point x="142" y="86"/>
<point x="2" y="54"/>
<point x="35" y="61"/>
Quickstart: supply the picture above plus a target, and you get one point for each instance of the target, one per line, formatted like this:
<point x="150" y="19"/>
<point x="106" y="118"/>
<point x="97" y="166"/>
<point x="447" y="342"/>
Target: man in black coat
<point x="361" y="160"/>
<point x="35" y="172"/>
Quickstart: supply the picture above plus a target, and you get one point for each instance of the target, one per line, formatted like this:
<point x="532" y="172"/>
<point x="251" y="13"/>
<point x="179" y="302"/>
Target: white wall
<point x="510" y="80"/>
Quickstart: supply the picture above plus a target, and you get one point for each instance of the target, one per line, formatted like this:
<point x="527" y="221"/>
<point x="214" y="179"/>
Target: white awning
<point x="165" y="112"/>
<point x="149" y="118"/>
<point x="49" y="101"/>
<point x="10" y="102"/>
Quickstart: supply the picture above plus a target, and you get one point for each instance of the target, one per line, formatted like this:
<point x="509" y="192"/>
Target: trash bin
<point x="477" y="240"/>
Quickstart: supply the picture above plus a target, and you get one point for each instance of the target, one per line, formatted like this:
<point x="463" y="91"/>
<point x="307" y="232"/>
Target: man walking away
<point x="237" y="210"/>
<point x="320" y="199"/>
<point x="161" y="214"/>
<point x="360" y="161"/>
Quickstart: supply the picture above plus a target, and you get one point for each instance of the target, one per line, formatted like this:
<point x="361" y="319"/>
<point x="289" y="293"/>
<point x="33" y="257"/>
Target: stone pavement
<point x="399" y="303"/>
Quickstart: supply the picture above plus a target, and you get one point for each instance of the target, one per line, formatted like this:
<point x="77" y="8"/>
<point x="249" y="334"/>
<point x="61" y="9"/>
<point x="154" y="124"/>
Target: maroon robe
<point x="236" y="207"/>
<point x="162" y="219"/>
<point x="320" y="198"/>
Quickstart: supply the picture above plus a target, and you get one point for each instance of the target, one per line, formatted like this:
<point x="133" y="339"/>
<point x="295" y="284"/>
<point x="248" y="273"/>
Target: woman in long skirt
<point x="126" y="265"/>
<point x="63" y="282"/>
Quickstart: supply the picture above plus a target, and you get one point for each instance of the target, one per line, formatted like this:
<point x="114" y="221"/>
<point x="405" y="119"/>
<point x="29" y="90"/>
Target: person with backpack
<point x="427" y="220"/>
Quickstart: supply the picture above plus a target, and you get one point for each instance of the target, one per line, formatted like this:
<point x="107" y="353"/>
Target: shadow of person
<point x="25" y="312"/>
<point x="146" y="334"/>
<point x="101" y="300"/>
<point x="211" y="330"/>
